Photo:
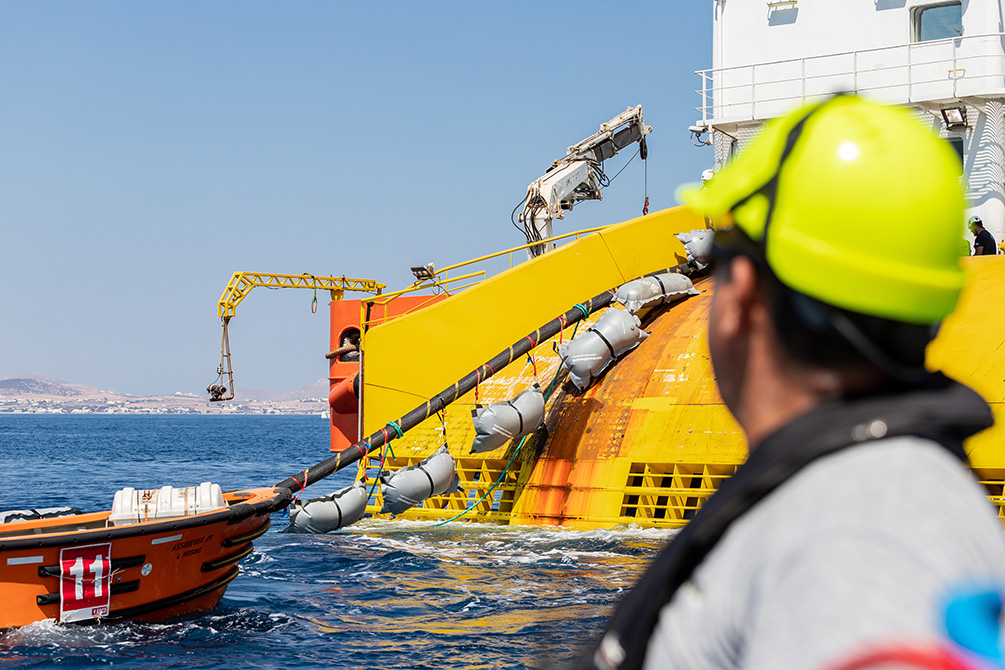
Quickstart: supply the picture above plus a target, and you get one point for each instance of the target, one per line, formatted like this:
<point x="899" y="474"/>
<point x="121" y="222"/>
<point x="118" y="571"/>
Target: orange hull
<point x="81" y="569"/>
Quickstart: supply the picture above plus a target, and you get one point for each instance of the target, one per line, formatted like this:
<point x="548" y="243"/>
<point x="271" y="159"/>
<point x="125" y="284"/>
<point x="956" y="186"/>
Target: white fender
<point x="500" y="422"/>
<point x="698" y="245"/>
<point x="330" y="512"/>
<point x="412" y="484"/>
<point x="654" y="290"/>
<point x="614" y="334"/>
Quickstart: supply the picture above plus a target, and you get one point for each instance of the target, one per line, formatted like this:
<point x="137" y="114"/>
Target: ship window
<point x="956" y="141"/>
<point x="938" y="22"/>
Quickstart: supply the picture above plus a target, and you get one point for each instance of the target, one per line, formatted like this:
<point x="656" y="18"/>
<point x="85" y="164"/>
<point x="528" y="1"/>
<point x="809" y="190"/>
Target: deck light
<point x="955" y="117"/>
<point x="423" y="272"/>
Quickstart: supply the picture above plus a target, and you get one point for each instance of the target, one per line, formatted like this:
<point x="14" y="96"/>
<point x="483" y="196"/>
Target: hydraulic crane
<point x="579" y="175"/>
<point x="240" y="286"/>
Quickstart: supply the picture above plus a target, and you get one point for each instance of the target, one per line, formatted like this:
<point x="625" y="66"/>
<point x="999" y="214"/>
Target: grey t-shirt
<point x="860" y="548"/>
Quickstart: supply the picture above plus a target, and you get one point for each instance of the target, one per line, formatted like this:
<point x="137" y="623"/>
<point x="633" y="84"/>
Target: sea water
<point x="379" y="594"/>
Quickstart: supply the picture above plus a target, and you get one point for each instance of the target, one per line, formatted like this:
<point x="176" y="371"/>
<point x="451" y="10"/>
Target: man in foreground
<point x="854" y="515"/>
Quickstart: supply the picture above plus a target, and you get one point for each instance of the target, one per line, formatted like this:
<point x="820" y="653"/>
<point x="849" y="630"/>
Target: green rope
<point x="582" y="308"/>
<point x="491" y="489"/>
<point x="394" y="425"/>
<point x="551" y="386"/>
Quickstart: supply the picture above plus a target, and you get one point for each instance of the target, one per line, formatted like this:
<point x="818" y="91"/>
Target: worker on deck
<point x="706" y="177"/>
<point x="984" y="243"/>
<point x="855" y="512"/>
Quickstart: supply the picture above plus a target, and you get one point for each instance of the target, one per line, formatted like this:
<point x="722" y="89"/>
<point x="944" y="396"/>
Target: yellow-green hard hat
<point x="856" y="204"/>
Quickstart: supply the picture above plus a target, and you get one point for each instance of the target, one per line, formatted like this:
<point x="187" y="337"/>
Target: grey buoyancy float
<point x="616" y="332"/>
<point x="654" y="290"/>
<point x="698" y="245"/>
<point x="330" y="512"/>
<point x="412" y="484"/>
<point x="500" y="422"/>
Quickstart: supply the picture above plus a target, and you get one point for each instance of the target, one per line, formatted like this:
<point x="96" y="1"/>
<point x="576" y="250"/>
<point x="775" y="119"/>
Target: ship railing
<point x="931" y="71"/>
<point x="440" y="279"/>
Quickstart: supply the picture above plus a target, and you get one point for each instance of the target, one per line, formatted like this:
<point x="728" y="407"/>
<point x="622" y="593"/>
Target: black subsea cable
<point x="448" y="395"/>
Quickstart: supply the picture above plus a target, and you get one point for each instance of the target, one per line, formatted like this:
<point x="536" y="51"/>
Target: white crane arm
<point x="579" y="176"/>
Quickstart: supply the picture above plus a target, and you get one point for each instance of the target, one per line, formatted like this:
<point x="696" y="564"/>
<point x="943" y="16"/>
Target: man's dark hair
<point x="818" y="334"/>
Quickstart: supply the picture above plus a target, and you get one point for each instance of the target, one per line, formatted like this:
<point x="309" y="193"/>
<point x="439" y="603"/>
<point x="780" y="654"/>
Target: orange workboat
<point x="127" y="563"/>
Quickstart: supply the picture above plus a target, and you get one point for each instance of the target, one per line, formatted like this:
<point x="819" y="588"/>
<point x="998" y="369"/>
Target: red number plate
<point x="85" y="580"/>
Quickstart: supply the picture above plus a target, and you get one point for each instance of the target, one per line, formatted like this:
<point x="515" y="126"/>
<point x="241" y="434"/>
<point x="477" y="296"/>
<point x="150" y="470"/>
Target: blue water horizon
<point x="380" y="594"/>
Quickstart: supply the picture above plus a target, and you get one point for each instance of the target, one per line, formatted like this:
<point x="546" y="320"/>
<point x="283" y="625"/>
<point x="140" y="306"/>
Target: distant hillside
<point x="45" y="381"/>
<point x="39" y="384"/>
<point x="27" y="385"/>
<point x="33" y="392"/>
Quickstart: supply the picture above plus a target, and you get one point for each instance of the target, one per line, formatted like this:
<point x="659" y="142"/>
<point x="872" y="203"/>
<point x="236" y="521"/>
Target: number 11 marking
<point x="84" y="592"/>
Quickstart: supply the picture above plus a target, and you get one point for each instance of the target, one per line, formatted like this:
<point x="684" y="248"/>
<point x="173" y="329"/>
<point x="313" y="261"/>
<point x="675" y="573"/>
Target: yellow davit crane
<point x="240" y="286"/>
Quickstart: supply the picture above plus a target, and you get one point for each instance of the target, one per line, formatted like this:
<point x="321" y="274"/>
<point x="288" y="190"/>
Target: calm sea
<point x="384" y="595"/>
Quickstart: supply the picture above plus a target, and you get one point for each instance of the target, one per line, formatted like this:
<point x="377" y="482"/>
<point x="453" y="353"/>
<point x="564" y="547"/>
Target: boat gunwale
<point x="262" y="501"/>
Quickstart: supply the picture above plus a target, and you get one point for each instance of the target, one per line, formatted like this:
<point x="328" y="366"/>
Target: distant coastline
<point x="34" y="393"/>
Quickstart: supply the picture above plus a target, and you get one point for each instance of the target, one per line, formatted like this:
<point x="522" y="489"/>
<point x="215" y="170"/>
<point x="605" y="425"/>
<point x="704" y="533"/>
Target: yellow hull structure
<point x="409" y="359"/>
<point x="650" y="440"/>
<point x="971" y="348"/>
<point x="412" y="358"/>
<point x="647" y="443"/>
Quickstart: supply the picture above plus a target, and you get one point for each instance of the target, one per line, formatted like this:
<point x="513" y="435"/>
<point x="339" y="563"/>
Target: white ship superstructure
<point x="946" y="59"/>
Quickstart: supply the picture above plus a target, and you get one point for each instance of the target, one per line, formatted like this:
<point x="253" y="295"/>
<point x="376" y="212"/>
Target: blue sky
<point x="150" y="149"/>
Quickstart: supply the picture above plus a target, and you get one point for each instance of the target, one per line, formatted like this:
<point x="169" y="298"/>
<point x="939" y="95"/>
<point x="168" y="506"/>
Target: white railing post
<point x="910" y="72"/>
<point x="704" y="97"/>
<point x="953" y="73"/>
<point x="802" y="75"/>
<point x="854" y="72"/>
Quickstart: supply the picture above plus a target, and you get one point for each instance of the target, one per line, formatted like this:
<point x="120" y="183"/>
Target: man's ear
<point x="739" y="295"/>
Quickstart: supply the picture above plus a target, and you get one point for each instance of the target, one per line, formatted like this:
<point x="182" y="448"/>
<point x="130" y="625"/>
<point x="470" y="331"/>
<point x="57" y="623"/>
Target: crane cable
<point x="645" y="187"/>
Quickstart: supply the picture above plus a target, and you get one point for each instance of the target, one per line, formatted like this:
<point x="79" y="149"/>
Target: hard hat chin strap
<point x="770" y="188"/>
